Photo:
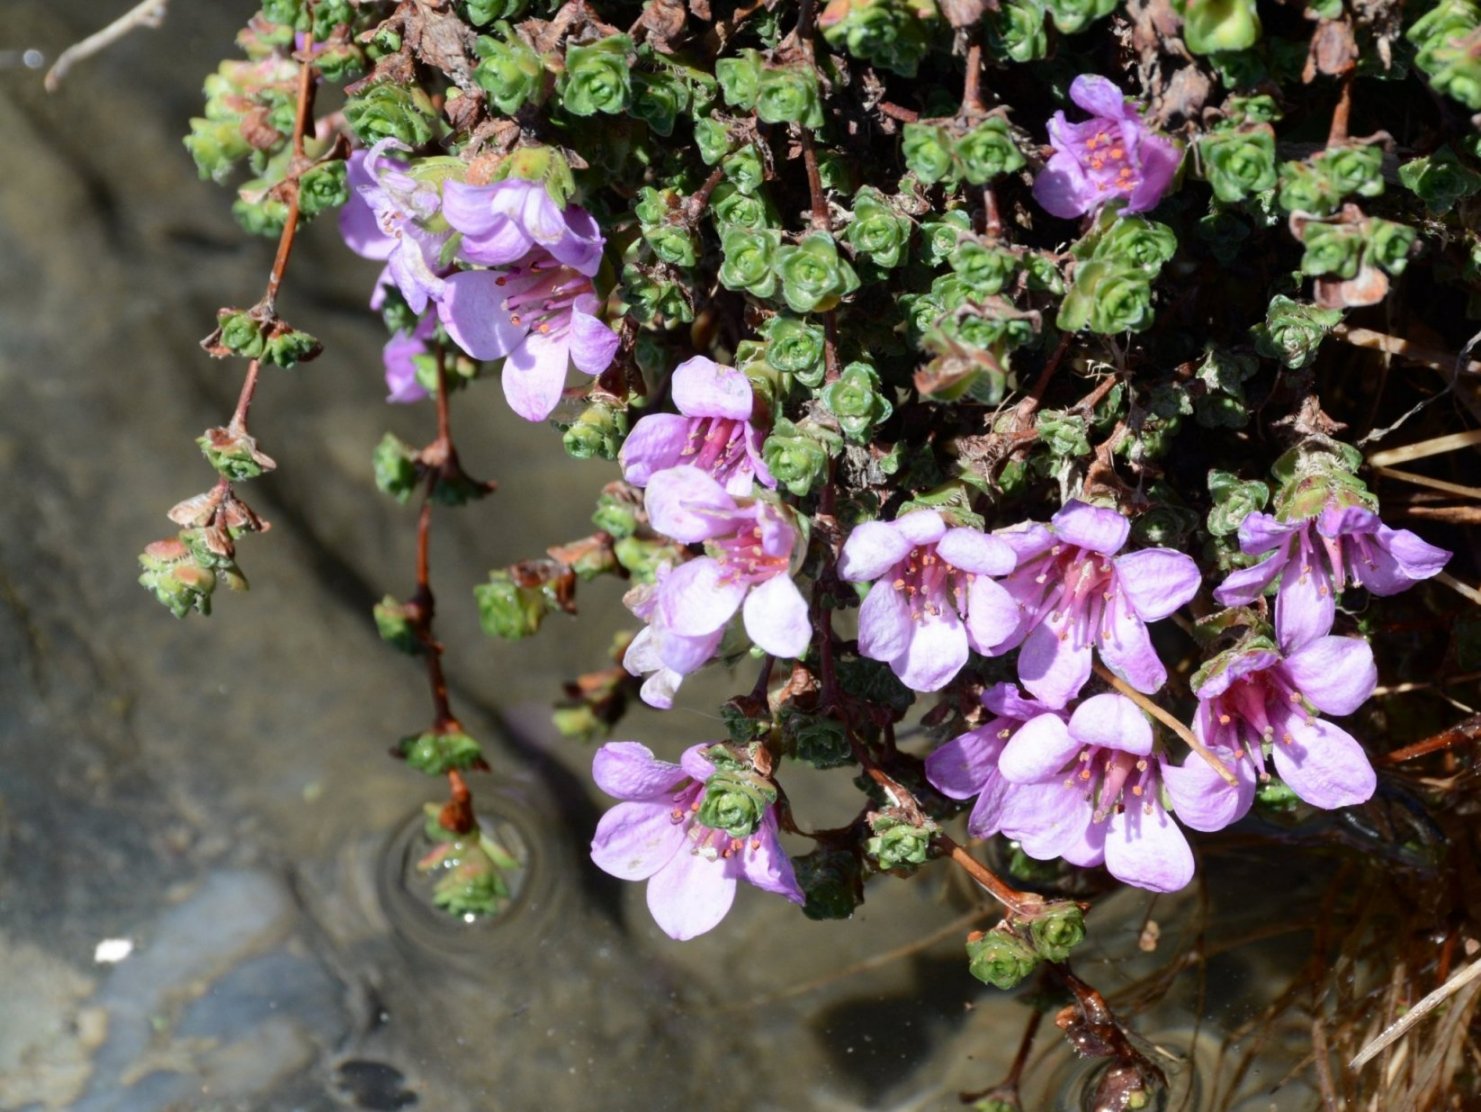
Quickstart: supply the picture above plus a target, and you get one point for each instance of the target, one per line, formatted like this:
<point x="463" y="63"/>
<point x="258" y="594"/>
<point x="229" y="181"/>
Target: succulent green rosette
<point x="1445" y="38"/>
<point x="987" y="152"/>
<point x="898" y="845"/>
<point x="1071" y="16"/>
<point x="597" y="433"/>
<point x="740" y="78"/>
<point x="749" y="259"/>
<point x="509" y="71"/>
<point x="1353" y="169"/>
<point x="1440" y="180"/>
<point x="891" y="34"/>
<point x="1233" y="500"/>
<point x="795" y="347"/>
<point x="1304" y="187"/>
<point x="929" y="152"/>
<point x="744" y="168"/>
<point x="1057" y="930"/>
<point x="659" y="98"/>
<point x="1390" y="244"/>
<point x="813" y="275"/>
<point x="1216" y="26"/>
<point x="877" y="231"/>
<point x="832" y="882"/>
<point x="388" y="110"/>
<point x="1000" y="958"/>
<point x="731" y="206"/>
<point x="1017" y="32"/>
<point x="736" y="796"/>
<point x="1331" y="249"/>
<point x="597" y="77"/>
<point x="1294" y="330"/>
<point x="789" y="95"/>
<point x="507" y="609"/>
<point x="712" y="139"/>
<point x="1239" y="162"/>
<point x="797" y="454"/>
<point x="939" y="238"/>
<point x="1107" y="297"/>
<point x="857" y="401"/>
<point x="982" y="267"/>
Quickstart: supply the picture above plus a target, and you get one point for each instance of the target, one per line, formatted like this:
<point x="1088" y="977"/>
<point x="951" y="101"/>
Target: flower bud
<point x="987" y="152"/>
<point x="396" y="623"/>
<point x="438" y="752"/>
<point x="388" y="110"/>
<point x="597" y="77"/>
<point x="1000" y="958"/>
<point x="395" y="466"/>
<point x="897" y="844"/>
<point x="736" y="802"/>
<point x="509" y="70"/>
<point x="240" y="333"/>
<point x="789" y="95"/>
<point x="617" y="510"/>
<point x="234" y="454"/>
<point x="599" y="432"/>
<point x="857" y="400"/>
<point x="177" y="580"/>
<point x="813" y="275"/>
<point x="1057" y="930"/>
<point x="929" y="153"/>
<point x="1239" y="163"/>
<point x="287" y="347"/>
<point x="507" y="609"/>
<point x="797" y="454"/>
<point x="642" y="558"/>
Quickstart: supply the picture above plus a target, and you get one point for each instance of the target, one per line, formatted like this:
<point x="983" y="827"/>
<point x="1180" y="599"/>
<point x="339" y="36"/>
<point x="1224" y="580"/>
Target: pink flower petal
<point x="872" y="549"/>
<point x="655" y="443"/>
<point x="1145" y="847"/>
<point x="964" y="764"/>
<point x="472" y="311"/>
<point x="1202" y="798"/>
<point x="1127" y="649"/>
<point x="992" y="615"/>
<point x="698" y="598"/>
<point x="593" y="344"/>
<point x="1039" y="750"/>
<point x="687" y="504"/>
<point x="1336" y="674"/>
<point x="629" y="770"/>
<point x="935" y="654"/>
<point x="635" y="840"/>
<point x="1322" y="764"/>
<point x="690" y="895"/>
<point x="1093" y="527"/>
<point x="920" y="526"/>
<point x="776" y="618"/>
<point x="978" y="552"/>
<point x="1157" y="581"/>
<point x="703" y="388"/>
<point x="885" y="627"/>
<point x="1054" y="670"/>
<point x="1114" y="722"/>
<point x="766" y="865"/>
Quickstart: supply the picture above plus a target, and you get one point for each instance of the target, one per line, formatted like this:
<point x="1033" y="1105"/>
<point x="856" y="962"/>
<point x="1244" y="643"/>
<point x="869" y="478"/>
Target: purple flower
<point x="711" y="431"/>
<point x="750" y="545"/>
<point x="385" y="218"/>
<point x="1088" y="790"/>
<point x="654" y="834"/>
<point x="1111" y="156"/>
<point x="399" y="356"/>
<point x="932" y="598"/>
<point x="1314" y="557"/>
<point x="503" y="222"/>
<point x="539" y="317"/>
<point x="660" y="655"/>
<point x="1074" y="592"/>
<point x="1253" y="696"/>
<point x="967" y="765"/>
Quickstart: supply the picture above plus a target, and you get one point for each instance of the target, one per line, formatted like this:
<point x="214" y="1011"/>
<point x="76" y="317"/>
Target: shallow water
<point x="216" y="791"/>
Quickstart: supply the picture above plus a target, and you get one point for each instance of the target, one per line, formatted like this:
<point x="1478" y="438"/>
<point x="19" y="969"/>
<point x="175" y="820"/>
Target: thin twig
<point x="1396" y="1030"/>
<point x="1463" y="589"/>
<point x="150" y="13"/>
<point x="1434" y="484"/>
<point x="1169" y="721"/>
<point x="1421" y="449"/>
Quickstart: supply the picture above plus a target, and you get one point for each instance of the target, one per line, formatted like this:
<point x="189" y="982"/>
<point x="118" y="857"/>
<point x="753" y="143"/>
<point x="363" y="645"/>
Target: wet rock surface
<point x="216" y="791"/>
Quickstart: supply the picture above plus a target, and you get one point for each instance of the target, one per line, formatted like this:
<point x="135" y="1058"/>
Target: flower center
<point x="1106" y="162"/>
<point x="540" y="296"/>
<point x="705" y="841"/>
<point x="1255" y="710"/>
<point x="1108" y="776"/>
<point x="1078" y="602"/>
<point x="744" y="557"/>
<point x="715" y="445"/>
<point x="930" y="584"/>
